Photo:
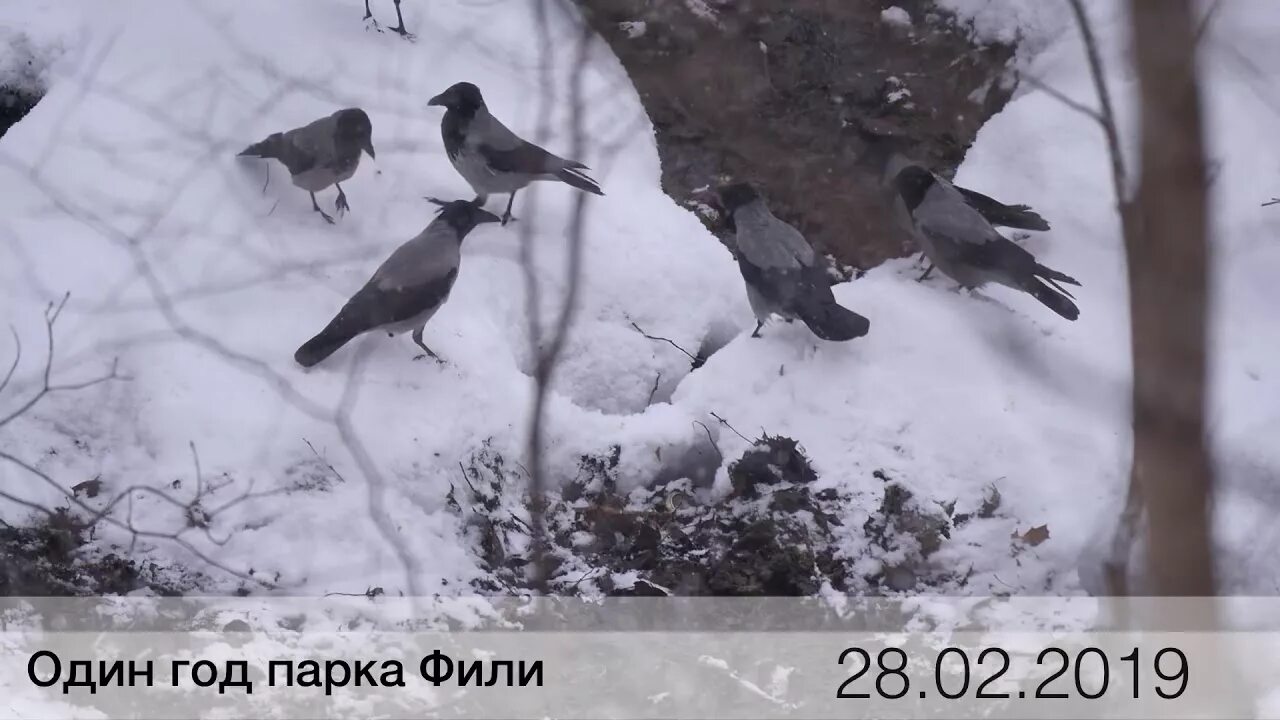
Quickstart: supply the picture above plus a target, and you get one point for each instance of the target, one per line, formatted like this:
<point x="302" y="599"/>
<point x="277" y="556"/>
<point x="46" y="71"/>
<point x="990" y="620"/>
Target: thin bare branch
<point x="1119" y="175"/>
<point x="17" y="357"/>
<point x="1058" y="95"/>
<point x="52" y="311"/>
<point x="547" y="358"/>
<point x="1207" y="20"/>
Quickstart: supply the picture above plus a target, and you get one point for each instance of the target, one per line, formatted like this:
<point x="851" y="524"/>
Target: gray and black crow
<point x="323" y="153"/>
<point x="1019" y="217"/>
<point x="783" y="273"/>
<point x="492" y="158"/>
<point x="962" y="242"/>
<point x="368" y="15"/>
<point x="408" y="288"/>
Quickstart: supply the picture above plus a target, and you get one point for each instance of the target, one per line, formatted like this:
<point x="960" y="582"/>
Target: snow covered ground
<point x="121" y="187"/>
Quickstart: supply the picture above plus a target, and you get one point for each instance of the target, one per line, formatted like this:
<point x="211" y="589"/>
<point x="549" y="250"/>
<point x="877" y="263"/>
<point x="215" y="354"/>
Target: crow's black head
<point x="354" y="126"/>
<point x="736" y="195"/>
<point x="912" y="182"/>
<point x="463" y="97"/>
<point x="463" y="215"/>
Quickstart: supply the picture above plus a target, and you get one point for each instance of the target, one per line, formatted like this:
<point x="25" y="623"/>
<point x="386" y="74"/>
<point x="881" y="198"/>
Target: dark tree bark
<point x="1169" y="259"/>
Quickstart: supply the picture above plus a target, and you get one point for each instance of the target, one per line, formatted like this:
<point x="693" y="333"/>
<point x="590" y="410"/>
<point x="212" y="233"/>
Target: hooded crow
<point x="884" y="159"/>
<point x="408" y="288"/>
<point x="368" y="15"/>
<point x="1018" y="217"/>
<point x="492" y="158"/>
<point x="783" y="273"/>
<point x="961" y="241"/>
<point x="323" y="153"/>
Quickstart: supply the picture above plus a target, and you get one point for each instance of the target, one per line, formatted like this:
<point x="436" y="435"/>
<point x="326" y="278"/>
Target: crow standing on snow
<point x="960" y="240"/>
<point x="368" y="15"/>
<point x="783" y="273"/>
<point x="1019" y="217"/>
<point x="323" y="153"/>
<point x="492" y="158"/>
<point x="408" y="288"/>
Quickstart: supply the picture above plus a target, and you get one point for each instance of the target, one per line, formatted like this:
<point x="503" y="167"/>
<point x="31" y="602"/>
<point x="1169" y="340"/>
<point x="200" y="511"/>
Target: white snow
<point x="634" y="28"/>
<point x="895" y="17"/>
<point x="121" y="187"/>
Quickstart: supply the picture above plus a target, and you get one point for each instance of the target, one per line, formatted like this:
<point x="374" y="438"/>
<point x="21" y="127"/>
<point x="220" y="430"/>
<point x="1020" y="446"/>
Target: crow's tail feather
<point x="268" y="148"/>
<point x="831" y="321"/>
<point x="1056" y="301"/>
<point x="333" y="337"/>
<point x="577" y="178"/>
<point x="1053" y="275"/>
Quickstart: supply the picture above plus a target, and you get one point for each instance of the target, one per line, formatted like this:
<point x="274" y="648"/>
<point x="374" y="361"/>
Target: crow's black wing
<point x="1019" y="217"/>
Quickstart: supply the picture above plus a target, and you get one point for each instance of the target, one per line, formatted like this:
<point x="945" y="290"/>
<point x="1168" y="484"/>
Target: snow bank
<point x="122" y="188"/>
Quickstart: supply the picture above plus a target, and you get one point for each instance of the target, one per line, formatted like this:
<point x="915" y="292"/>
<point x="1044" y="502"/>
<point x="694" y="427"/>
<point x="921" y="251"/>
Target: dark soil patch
<point x="775" y="91"/>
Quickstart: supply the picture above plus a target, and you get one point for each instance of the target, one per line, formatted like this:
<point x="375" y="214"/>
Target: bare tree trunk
<point x="1168" y="251"/>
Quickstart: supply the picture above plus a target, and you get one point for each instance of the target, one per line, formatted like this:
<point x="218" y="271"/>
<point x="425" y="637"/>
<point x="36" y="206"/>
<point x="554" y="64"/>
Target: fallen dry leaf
<point x="1034" y="536"/>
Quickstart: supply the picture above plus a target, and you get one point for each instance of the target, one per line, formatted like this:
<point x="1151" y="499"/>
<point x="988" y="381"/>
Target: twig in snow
<point x="371" y="593"/>
<point x="1272" y="201"/>
<point x="324" y="462"/>
<point x="710" y="439"/>
<point x="697" y="361"/>
<point x="654" y="390"/>
<point x="726" y="424"/>
<point x="467" y="480"/>
<point x="585" y="575"/>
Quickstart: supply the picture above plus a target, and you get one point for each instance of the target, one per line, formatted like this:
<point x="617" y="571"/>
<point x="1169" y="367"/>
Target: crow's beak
<point x="368" y="147"/>
<point x="484" y="216"/>
<point x="437" y="100"/>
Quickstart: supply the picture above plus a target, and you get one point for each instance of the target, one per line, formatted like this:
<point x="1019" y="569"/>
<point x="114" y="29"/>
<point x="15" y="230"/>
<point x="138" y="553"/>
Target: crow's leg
<point x="369" y="18"/>
<point x="506" y="216"/>
<point x="926" y="273"/>
<point x="417" y="339"/>
<point x="341" y="203"/>
<point x="756" y="333"/>
<point x="400" y="28"/>
<point x="316" y="206"/>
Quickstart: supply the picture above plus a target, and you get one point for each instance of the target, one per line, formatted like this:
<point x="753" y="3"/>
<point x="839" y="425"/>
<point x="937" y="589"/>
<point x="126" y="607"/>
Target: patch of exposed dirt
<point x="775" y="91"/>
